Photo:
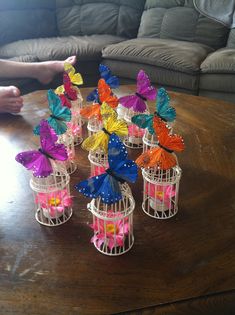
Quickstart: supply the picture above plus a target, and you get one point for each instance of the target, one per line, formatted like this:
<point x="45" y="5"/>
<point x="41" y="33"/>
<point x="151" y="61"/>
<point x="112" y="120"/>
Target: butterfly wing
<point x="104" y="186"/>
<point x="106" y="74"/>
<point x="160" y="126"/>
<point x="164" y="110"/>
<point x="118" y="126"/>
<point x="69" y="90"/>
<point x="107" y="111"/>
<point x="93" y="96"/>
<point x="172" y="142"/>
<point x="60" y="114"/>
<point x="144" y="86"/>
<point x="98" y="141"/>
<point x="75" y="78"/>
<point x="144" y="121"/>
<point x="35" y="161"/>
<point x="91" y="111"/>
<point x="117" y="158"/>
<point x="106" y="94"/>
<point x="48" y="140"/>
<point x="59" y="90"/>
<point x="157" y="157"/>
<point x="65" y="101"/>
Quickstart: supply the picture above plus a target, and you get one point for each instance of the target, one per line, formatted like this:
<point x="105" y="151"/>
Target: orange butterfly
<point x="105" y="95"/>
<point x="162" y="156"/>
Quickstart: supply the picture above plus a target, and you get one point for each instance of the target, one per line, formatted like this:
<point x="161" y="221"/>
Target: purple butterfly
<point x="145" y="91"/>
<point x="39" y="160"/>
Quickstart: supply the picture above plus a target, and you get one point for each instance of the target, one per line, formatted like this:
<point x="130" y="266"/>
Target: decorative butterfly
<point x="101" y="138"/>
<point x="110" y="79"/>
<point x="75" y="78"/>
<point x="67" y="91"/>
<point x="163" y="110"/>
<point x="105" y="95"/>
<point x="39" y="161"/>
<point x="107" y="185"/>
<point x="162" y="156"/>
<point x="60" y="115"/>
<point x="145" y="91"/>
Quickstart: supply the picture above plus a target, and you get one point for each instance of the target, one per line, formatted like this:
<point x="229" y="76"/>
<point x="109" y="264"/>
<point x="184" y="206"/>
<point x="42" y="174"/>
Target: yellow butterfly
<point x="107" y="111"/>
<point x="101" y="138"/>
<point x="75" y="78"/>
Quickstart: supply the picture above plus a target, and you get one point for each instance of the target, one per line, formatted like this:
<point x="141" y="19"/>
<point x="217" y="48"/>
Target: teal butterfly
<point x="163" y="110"/>
<point x="59" y="117"/>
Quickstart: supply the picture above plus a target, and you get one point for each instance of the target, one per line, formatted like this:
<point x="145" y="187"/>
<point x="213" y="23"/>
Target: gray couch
<point x="180" y="48"/>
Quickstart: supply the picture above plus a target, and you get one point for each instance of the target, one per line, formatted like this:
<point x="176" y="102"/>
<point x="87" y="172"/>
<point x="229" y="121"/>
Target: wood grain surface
<point x="182" y="262"/>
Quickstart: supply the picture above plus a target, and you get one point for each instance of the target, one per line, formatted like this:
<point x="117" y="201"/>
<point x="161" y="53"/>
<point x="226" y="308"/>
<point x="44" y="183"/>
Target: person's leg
<point x="10" y="99"/>
<point x="42" y="71"/>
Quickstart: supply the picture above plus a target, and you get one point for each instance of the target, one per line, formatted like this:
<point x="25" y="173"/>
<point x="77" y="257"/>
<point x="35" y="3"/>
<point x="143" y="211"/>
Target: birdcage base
<point x="116" y="250"/>
<point x="157" y="209"/>
<point x="45" y="218"/>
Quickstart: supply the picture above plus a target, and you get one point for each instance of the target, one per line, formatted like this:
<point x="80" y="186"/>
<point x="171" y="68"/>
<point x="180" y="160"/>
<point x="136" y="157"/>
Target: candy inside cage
<point x="53" y="201"/>
<point x="113" y="224"/>
<point x="161" y="189"/>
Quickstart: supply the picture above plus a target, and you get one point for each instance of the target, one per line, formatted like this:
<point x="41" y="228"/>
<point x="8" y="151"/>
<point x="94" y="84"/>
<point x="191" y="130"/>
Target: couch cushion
<point x="218" y="71"/>
<point x="173" y="55"/>
<point x="220" y="61"/>
<point x="162" y="77"/>
<point x="85" y="47"/>
<point x="86" y="17"/>
<point x="161" y="19"/>
<point x="27" y="19"/>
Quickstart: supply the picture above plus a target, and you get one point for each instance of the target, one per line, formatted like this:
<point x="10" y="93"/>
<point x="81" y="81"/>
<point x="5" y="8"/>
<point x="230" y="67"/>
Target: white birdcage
<point x="113" y="224"/>
<point x="99" y="162"/>
<point x="149" y="140"/>
<point x="53" y="201"/>
<point x="68" y="141"/>
<point x="94" y="125"/>
<point x="161" y="190"/>
<point x="134" y="140"/>
<point x="75" y="126"/>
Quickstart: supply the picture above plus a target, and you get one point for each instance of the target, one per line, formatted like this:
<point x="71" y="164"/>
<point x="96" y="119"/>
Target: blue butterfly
<point x="59" y="114"/>
<point x="110" y="79"/>
<point x="107" y="185"/>
<point x="163" y="110"/>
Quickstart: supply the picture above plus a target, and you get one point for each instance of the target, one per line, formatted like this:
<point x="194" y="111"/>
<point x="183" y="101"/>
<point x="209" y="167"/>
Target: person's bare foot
<point x="10" y="100"/>
<point x="48" y="69"/>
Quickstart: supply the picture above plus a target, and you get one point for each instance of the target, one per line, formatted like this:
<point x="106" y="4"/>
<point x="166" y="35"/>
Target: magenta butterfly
<point x="145" y="91"/>
<point x="38" y="161"/>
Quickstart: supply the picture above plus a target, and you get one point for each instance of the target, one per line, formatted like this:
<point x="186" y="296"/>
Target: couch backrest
<point x="23" y="19"/>
<point x="179" y="20"/>
<point x="87" y="17"/>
